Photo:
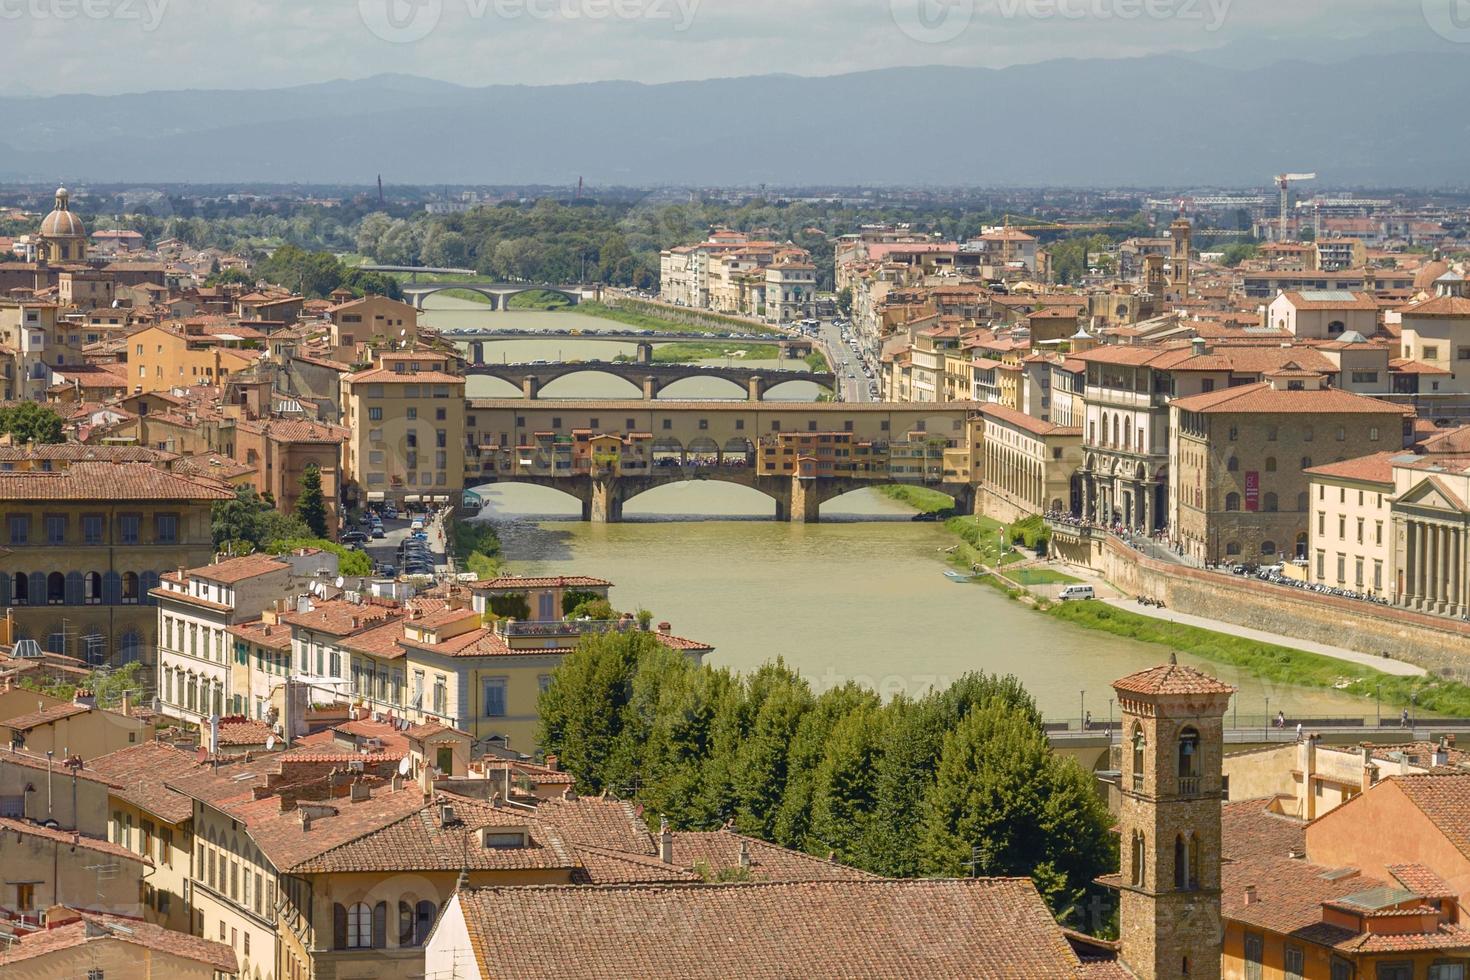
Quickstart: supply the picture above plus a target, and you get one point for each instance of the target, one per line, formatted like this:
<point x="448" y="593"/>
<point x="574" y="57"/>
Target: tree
<point x="844" y="301"/>
<point x="581" y="710"/>
<point x="311" y="506"/>
<point x="793" y="821"/>
<point x="32" y="424"/>
<point x="241" y="518"/>
<point x="353" y="564"/>
<point x="1003" y="804"/>
<point x="844" y="787"/>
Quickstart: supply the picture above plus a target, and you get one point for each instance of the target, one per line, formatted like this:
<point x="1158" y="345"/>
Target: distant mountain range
<point x="1389" y="119"/>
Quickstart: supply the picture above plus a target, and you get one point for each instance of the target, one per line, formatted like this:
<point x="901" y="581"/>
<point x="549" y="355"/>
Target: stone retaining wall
<point x="1429" y="641"/>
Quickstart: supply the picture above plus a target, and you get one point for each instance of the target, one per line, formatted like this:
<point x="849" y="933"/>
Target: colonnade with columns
<point x="1433" y="571"/>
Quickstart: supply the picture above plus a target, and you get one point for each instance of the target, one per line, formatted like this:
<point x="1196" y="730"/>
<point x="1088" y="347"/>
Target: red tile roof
<point x="94" y="928"/>
<point x="1263" y="399"/>
<point x="720" y="850"/>
<point x="1171" y="679"/>
<point x="44" y="716"/>
<point x="71" y="839"/>
<point x="876" y="929"/>
<point x="109" y="481"/>
<point x="233" y="570"/>
<point x="1376" y="468"/>
<point x="140" y="770"/>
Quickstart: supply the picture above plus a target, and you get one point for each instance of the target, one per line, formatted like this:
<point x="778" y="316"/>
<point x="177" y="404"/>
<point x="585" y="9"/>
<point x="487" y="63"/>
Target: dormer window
<point x="500" y="838"/>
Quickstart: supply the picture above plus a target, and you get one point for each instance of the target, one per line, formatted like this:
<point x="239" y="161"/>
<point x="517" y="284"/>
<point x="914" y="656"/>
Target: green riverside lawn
<point x="1269" y="660"/>
<point x="980" y="541"/>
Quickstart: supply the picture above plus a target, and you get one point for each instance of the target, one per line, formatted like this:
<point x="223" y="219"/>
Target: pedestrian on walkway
<point x="1298" y="731"/>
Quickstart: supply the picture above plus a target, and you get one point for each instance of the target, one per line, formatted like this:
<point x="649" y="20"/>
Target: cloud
<point x="274" y="43"/>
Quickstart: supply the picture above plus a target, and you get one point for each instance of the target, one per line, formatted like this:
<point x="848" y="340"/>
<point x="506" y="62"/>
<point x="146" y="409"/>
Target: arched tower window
<point x="1189" y="762"/>
<point x="1140" y="742"/>
<point x="1137" y="858"/>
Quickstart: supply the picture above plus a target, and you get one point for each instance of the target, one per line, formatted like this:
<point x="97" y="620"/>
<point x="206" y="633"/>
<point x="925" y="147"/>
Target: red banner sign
<point x="1253" y="491"/>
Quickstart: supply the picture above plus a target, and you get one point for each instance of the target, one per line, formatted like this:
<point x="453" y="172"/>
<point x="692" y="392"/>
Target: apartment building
<point x="1323" y="314"/>
<point x="1030" y="465"/>
<point x="406" y="418"/>
<point x="1351" y="533"/>
<point x="372" y="319"/>
<point x="87" y="545"/>
<point x="1238" y="458"/>
<point x="196" y="652"/>
<point x="202" y="351"/>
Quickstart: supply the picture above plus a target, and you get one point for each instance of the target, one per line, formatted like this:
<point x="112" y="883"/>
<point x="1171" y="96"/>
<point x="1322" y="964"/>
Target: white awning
<point x="377" y="495"/>
<point x="412" y="498"/>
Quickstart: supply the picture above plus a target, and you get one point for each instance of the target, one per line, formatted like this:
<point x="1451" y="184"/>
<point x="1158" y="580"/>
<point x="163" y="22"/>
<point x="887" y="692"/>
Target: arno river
<point x="861" y="596"/>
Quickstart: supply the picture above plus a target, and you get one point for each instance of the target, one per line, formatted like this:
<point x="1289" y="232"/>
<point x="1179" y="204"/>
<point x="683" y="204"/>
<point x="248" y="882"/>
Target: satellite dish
<point x="201" y="754"/>
<point x="340" y="581"/>
<point x="270" y="743"/>
<point x="403" y="332"/>
<point x="404" y="765"/>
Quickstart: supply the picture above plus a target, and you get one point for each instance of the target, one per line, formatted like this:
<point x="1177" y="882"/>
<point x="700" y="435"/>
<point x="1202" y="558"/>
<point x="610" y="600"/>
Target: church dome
<point x="61" y="223"/>
<point x="1425" y="278"/>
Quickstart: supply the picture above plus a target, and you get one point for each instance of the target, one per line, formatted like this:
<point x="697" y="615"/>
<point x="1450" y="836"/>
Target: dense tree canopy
<point x="959" y="781"/>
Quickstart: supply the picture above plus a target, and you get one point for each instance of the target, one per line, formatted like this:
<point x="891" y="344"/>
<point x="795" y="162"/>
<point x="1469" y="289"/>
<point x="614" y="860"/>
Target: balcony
<point x="1189" y="785"/>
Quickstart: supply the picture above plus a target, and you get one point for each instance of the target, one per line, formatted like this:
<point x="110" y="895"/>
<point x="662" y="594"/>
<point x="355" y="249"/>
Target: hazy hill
<point x="1392" y="119"/>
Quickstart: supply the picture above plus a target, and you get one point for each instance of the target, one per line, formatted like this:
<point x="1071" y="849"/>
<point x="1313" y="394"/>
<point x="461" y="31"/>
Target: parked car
<point x="354" y="537"/>
<point x="378" y="531"/>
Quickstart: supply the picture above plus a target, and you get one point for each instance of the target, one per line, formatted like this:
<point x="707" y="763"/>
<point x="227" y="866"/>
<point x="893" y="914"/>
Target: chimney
<point x="665" y="628"/>
<point x="1370" y="770"/>
<point x="127" y="704"/>
<point x="446" y="814"/>
<point x="1198" y="346"/>
<point x="665" y="842"/>
<point x="1442" y="753"/>
<point x="552" y="762"/>
<point x="305" y="819"/>
<point x="85" y="697"/>
<point x="744" y="855"/>
<point x="1250" y="895"/>
<point x="360" y="791"/>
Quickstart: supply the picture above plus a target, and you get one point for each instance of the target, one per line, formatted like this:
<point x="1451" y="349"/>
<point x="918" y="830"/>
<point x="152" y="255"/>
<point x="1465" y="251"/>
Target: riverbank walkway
<point x="1388" y="666"/>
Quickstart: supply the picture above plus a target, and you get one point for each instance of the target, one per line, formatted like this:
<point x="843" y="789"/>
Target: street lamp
<point x="1268" y="711"/>
<point x="1082" y="711"/>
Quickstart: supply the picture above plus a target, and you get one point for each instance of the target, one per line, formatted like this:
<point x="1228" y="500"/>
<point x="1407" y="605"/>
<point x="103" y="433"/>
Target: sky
<point x="111" y="46"/>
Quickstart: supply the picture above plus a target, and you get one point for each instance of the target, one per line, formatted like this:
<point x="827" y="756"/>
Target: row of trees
<point x="314" y="274"/>
<point x="957" y="782"/>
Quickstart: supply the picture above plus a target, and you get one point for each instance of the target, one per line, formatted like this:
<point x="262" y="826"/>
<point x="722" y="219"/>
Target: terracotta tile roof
<point x="878" y="929"/>
<point x="1449" y="306"/>
<point x="1376" y="468"/>
<point x="419" y="840"/>
<point x="71" y="839"/>
<point x="380" y="376"/>
<point x="605" y="866"/>
<point x="1450" y="441"/>
<point x="341" y="618"/>
<point x="1444" y="800"/>
<point x="1171" y="679"/>
<point x="720" y="849"/>
<point x="1421" y="880"/>
<point x="234" y="570"/>
<point x="542" y="582"/>
<point x="108" y="481"/>
<point x="139" y="771"/>
<point x="248" y="732"/>
<point x="1021" y="420"/>
<point x="1263" y="399"/>
<point x="1404" y="365"/>
<point x="607" y="823"/>
<point x="178" y="595"/>
<point x="43" y="716"/>
<point x="273" y="637"/>
<point x="94" y="928"/>
<point x="297" y="430"/>
<point x="1314" y="301"/>
<point x="31" y="760"/>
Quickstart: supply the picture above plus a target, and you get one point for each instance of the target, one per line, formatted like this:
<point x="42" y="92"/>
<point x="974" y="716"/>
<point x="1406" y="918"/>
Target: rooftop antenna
<point x="380" y="188"/>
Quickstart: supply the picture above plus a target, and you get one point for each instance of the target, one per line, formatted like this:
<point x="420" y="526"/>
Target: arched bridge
<point x="651" y="378"/>
<point x="797" y="500"/>
<point x="498" y="293"/>
<point x="474" y="341"/>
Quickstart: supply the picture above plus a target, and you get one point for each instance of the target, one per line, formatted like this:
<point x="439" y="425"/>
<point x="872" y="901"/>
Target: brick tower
<point x="1180" y="232"/>
<point x="1169" y="822"/>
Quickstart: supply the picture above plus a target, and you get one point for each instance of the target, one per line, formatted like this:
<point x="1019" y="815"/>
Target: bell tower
<point x="1169" y="822"/>
<point x="1181" y="232"/>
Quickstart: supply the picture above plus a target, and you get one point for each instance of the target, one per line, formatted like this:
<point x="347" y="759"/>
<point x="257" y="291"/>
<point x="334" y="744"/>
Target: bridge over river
<point x="650" y="377"/>
<point x="800" y="454"/>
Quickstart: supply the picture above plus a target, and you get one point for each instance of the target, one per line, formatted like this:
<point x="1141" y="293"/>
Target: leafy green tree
<point x="582" y="710"/>
<point x="241" y="518"/>
<point x="844" y="301"/>
<point x="844" y="787"/>
<point x="675" y="704"/>
<point x="780" y="699"/>
<point x="311" y="506"/>
<point x="353" y="564"/>
<point x="1003" y="804"/>
<point x="808" y="746"/>
<point x="31" y="423"/>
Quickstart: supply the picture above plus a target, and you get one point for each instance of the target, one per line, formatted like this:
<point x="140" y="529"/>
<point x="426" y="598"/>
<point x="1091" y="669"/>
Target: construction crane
<point x="1284" y="182"/>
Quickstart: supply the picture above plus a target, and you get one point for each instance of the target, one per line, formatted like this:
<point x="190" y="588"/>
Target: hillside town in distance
<point x="278" y="703"/>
